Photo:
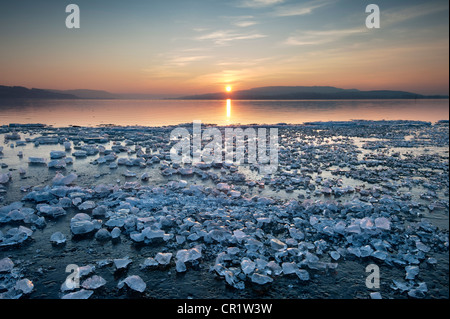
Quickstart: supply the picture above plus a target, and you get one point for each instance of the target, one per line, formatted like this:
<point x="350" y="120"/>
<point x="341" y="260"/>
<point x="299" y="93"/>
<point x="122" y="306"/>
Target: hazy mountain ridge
<point x="260" y="93"/>
<point x="308" y="93"/>
<point x="19" y="92"/>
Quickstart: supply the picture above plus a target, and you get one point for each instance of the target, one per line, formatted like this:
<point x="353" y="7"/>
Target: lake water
<point x="60" y="113"/>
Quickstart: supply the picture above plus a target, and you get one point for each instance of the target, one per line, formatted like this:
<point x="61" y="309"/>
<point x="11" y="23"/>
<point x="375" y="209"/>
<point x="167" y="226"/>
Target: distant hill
<point x="309" y="93"/>
<point x="88" y="94"/>
<point x="15" y="92"/>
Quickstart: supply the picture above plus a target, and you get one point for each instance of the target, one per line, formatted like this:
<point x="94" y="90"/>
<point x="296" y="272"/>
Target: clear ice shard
<point x="133" y="282"/>
<point x="81" y="294"/>
<point x="93" y="282"/>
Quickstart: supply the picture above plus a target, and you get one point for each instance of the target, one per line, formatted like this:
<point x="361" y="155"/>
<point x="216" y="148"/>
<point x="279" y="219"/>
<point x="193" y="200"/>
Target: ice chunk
<point x="153" y="234"/>
<point x="353" y="228"/>
<point x="277" y="244"/>
<point x="302" y="274"/>
<point x="133" y="282"/>
<point x="81" y="294"/>
<point x="122" y="263"/>
<point x="247" y="266"/>
<point x="86" y="270"/>
<point x="58" y="238"/>
<point x="335" y="255"/>
<point x="289" y="268"/>
<point x="180" y="266"/>
<point x="52" y="211"/>
<point x="365" y="251"/>
<point x="224" y="187"/>
<point x="60" y="179"/>
<point x="87" y="205"/>
<point x="57" y="154"/>
<point x="6" y="265"/>
<point x="115" y="233"/>
<point x="379" y="254"/>
<point x="15" y="236"/>
<point x="274" y="267"/>
<point x="149" y="262"/>
<point x="36" y="160"/>
<point x="382" y="223"/>
<point x="24" y="285"/>
<point x="57" y="164"/>
<point x="4" y="178"/>
<point x="79" y="154"/>
<point x="419" y="291"/>
<point x="102" y="234"/>
<point x="296" y="234"/>
<point x="411" y="272"/>
<point x="163" y="258"/>
<point x="189" y="255"/>
<point x="402" y="286"/>
<point x="81" y="224"/>
<point x="93" y="282"/>
<point x="366" y="223"/>
<point x="239" y="235"/>
<point x="375" y="295"/>
<point x="260" y="279"/>
<point x="355" y="251"/>
<point x="422" y="247"/>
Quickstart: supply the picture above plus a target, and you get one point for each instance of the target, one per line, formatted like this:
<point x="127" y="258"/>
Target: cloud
<point x="224" y="37"/>
<point x="320" y="37"/>
<point x="244" y="24"/>
<point x="411" y="12"/>
<point x="184" y="60"/>
<point x="241" y="21"/>
<point x="259" y="3"/>
<point x="299" y="9"/>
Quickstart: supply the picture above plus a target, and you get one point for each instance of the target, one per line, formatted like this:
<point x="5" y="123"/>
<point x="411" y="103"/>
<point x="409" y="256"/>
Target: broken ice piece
<point x="58" y="238"/>
<point x="277" y="244"/>
<point x="57" y="154"/>
<point x="375" y="295"/>
<point x="180" y="266"/>
<point x="261" y="279"/>
<point x="163" y="258"/>
<point x="81" y="294"/>
<point x="36" y="160"/>
<point x="302" y="274"/>
<point x="122" y="263"/>
<point x="93" y="282"/>
<point x="6" y="265"/>
<point x="247" y="265"/>
<point x="411" y="272"/>
<point x="382" y="223"/>
<point x="133" y="282"/>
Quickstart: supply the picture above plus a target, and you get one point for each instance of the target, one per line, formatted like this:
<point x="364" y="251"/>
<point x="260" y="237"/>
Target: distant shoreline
<point x="282" y="93"/>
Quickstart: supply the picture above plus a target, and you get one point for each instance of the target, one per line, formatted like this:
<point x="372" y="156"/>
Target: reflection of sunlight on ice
<point x="228" y="108"/>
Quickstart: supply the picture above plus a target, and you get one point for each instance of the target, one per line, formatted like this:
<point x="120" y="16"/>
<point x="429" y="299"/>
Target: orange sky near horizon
<point x="203" y="47"/>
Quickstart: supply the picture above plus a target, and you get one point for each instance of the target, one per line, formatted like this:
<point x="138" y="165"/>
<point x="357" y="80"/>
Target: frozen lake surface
<point x="110" y="201"/>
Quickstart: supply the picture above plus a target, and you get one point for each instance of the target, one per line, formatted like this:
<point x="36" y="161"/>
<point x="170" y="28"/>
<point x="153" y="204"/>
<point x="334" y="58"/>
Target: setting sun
<point x="228" y="88"/>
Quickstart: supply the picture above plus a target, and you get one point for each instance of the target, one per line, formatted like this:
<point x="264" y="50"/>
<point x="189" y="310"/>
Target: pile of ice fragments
<point x="244" y="238"/>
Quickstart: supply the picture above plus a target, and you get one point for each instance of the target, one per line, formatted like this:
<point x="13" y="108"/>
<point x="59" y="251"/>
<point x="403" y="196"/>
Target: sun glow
<point x="228" y="88"/>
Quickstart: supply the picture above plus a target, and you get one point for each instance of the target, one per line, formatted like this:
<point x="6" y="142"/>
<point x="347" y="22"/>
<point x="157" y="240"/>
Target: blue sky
<point x="198" y="46"/>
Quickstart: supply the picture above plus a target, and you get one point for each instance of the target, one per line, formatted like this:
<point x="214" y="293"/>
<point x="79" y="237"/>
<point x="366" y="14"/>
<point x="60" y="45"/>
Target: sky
<point x="201" y="46"/>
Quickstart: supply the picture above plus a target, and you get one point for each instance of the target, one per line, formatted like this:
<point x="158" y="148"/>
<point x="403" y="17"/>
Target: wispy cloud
<point x="259" y="3"/>
<point x="299" y="9"/>
<point x="411" y="12"/>
<point x="241" y="21"/>
<point x="320" y="37"/>
<point x="223" y="37"/>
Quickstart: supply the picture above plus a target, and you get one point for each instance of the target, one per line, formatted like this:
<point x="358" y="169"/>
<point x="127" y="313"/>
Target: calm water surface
<point x="62" y="113"/>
